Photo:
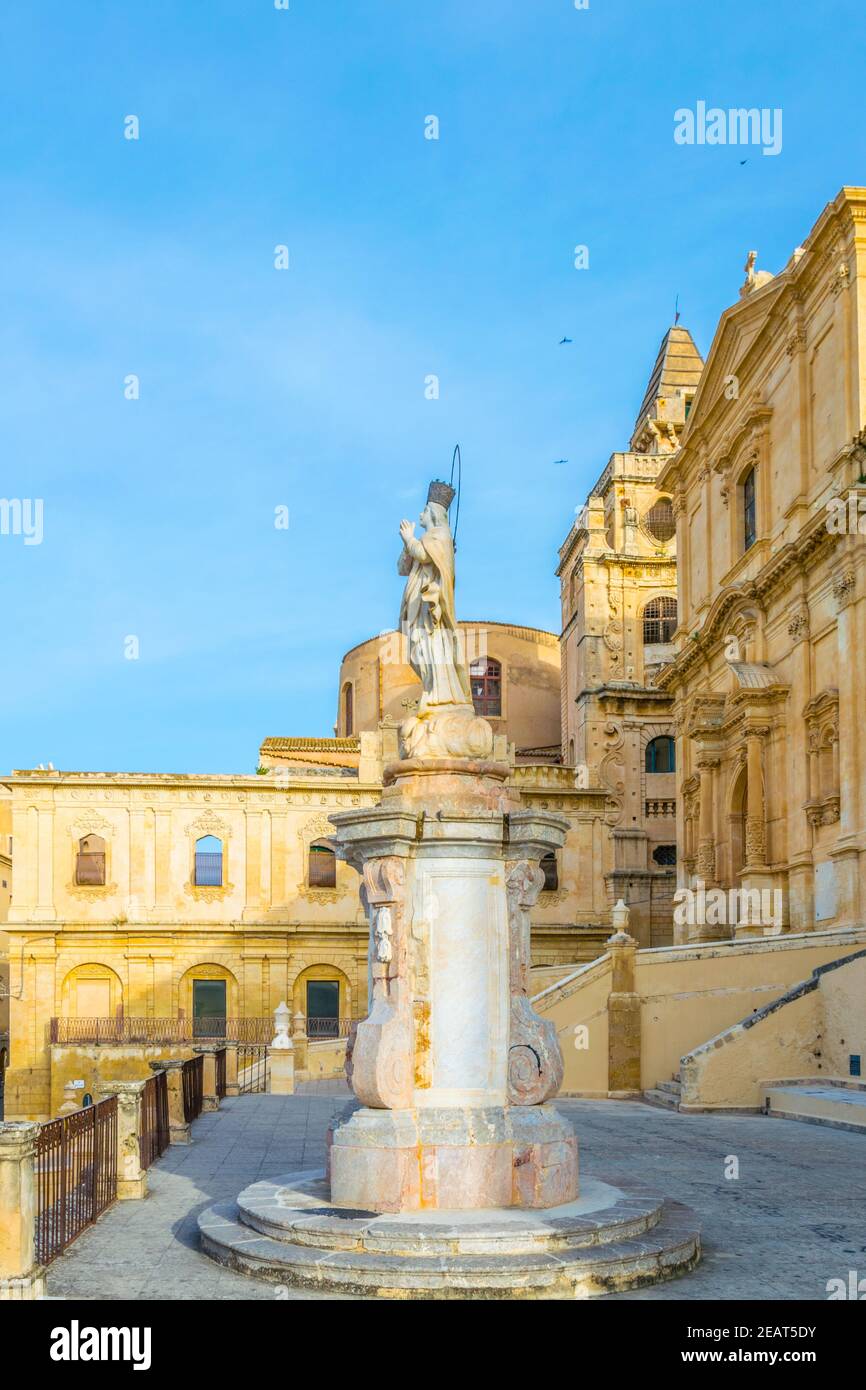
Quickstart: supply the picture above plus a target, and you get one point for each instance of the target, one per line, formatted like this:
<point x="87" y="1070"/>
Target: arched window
<point x="485" y="678"/>
<point x="749" y="514"/>
<point x="665" y="855"/>
<point x="551" y="873"/>
<point x="322" y="870"/>
<point x="659" y="620"/>
<point x="348" y="710"/>
<point x="90" y="861"/>
<point x="208" y="862"/>
<point x="659" y="520"/>
<point x="660" y="754"/>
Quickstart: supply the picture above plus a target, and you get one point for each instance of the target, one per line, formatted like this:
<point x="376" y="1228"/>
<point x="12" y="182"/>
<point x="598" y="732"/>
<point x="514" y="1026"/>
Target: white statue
<point x="754" y="278"/>
<point x="446" y="724"/>
<point x="427" y="616"/>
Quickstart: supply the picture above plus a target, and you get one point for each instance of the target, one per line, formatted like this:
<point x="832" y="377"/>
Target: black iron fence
<point x="154" y="1136"/>
<point x="76" y="1175"/>
<point x="161" y="1030"/>
<point x="328" y="1027"/>
<point x="193" y="1087"/>
<point x="220" y="1069"/>
<point x="252" y="1068"/>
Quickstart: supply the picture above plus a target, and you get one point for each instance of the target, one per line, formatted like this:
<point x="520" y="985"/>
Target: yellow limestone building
<point x="618" y="577"/>
<point x="161" y="896"/>
<point x="769" y="679"/>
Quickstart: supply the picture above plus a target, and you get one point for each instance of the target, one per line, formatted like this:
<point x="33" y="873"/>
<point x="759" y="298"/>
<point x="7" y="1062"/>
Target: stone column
<point x="231" y="1069"/>
<point x="706" y="865"/>
<point x="210" y="1099"/>
<point x="756" y="848"/>
<point x="624" y="1058"/>
<point x="178" y="1129"/>
<point x="131" y="1177"/>
<point x="846" y="853"/>
<point x="20" y="1277"/>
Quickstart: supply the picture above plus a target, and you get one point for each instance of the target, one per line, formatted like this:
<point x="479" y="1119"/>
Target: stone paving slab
<point x="791" y="1220"/>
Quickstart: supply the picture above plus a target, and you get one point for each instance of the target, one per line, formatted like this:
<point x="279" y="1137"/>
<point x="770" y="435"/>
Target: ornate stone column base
<point x="409" y="1160"/>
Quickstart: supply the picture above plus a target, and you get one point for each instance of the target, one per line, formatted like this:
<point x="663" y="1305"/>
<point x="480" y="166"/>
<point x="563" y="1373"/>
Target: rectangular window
<point x="749" y="532"/>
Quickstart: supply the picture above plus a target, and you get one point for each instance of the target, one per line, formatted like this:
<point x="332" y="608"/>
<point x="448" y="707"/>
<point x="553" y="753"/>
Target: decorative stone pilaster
<point x="755" y="837"/>
<point x="706" y="856"/>
<point x="20" y="1277"/>
<point x="131" y="1177"/>
<point x="209" y="1099"/>
<point x="180" y="1131"/>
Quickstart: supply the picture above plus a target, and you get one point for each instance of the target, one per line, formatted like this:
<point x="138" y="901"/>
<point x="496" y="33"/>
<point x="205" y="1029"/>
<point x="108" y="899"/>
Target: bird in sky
<point x="743" y="161"/>
<point x="560" y="461"/>
<point x="564" y="340"/>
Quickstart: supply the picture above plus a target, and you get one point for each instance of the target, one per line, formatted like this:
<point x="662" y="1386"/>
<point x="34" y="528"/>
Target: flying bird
<point x="564" y="340"/>
<point x="560" y="460"/>
<point x="743" y="161"/>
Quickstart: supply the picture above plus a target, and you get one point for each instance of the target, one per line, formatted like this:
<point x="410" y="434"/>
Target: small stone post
<point x="624" y="1060"/>
<point x="178" y="1129"/>
<point x="210" y="1099"/>
<point x="131" y="1177"/>
<point x="299" y="1038"/>
<point x="20" y="1277"/>
<point x="282" y="1054"/>
<point x="231" y="1069"/>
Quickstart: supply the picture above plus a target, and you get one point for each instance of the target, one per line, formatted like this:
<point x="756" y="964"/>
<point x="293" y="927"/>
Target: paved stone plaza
<point x="777" y="1231"/>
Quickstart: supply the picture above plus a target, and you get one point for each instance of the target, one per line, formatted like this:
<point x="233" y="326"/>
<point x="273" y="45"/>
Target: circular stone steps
<point x="611" y="1238"/>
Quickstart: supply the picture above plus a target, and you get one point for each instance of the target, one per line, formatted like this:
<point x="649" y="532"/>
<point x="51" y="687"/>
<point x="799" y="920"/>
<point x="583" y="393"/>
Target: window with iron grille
<point x="659" y="620"/>
<point x="90" y="862"/>
<point x="749" y="519"/>
<point x="659" y="520"/>
<point x="208" y="871"/>
<point x="660" y="755"/>
<point x="665" y="855"/>
<point x="322" y="871"/>
<point x="551" y="873"/>
<point x="485" y="678"/>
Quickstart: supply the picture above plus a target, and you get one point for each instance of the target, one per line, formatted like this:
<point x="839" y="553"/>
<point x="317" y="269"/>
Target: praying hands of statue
<point x="411" y="544"/>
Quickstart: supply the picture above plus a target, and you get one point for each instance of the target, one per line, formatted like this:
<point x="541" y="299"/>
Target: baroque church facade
<point x="695" y="720"/>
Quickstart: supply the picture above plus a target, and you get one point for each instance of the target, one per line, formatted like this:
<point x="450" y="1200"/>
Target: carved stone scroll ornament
<point x="535" y="1065"/>
<point x="379" y="1065"/>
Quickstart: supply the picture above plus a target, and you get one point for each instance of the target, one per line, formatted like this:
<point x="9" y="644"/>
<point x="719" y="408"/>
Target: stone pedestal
<point x="231" y="1069"/>
<point x="452" y="1064"/>
<point x="20" y="1277"/>
<point x="282" y="1061"/>
<point x="209" y="1098"/>
<point x="179" y="1129"/>
<point x="131" y="1177"/>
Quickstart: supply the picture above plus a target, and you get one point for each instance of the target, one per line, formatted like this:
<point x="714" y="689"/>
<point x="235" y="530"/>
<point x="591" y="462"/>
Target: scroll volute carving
<point x="380" y="1061"/>
<point x="535" y="1065"/>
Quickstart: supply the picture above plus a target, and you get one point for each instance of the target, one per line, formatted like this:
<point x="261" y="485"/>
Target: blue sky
<point x="305" y="387"/>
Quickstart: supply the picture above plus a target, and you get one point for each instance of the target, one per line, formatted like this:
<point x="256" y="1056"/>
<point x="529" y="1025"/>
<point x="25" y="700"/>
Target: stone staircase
<point x="665" y="1094"/>
<point x="611" y="1238"/>
<point x="823" y="1101"/>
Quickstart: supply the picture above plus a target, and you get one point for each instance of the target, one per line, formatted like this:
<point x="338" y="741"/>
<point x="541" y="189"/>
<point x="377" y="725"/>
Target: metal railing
<point x="252" y="1068"/>
<point x="220" y="1070"/>
<point x="161" y="1030"/>
<point x="328" y="1027"/>
<point x="76" y="1175"/>
<point x="193" y="1087"/>
<point x="154" y="1136"/>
